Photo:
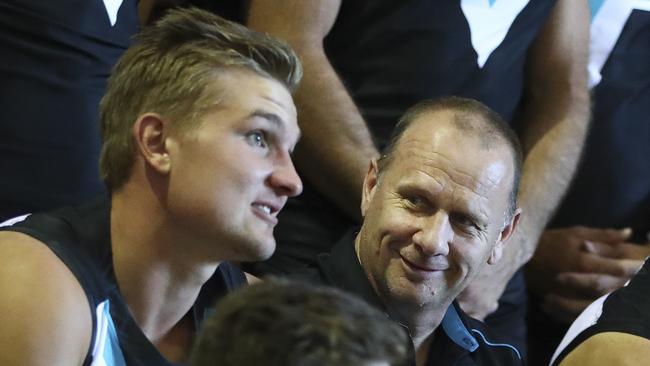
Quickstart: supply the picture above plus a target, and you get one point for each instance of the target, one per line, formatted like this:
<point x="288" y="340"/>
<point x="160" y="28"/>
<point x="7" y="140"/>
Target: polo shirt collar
<point x="342" y="268"/>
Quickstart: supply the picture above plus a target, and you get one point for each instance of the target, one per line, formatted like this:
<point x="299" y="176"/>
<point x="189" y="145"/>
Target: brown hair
<point x="283" y="323"/>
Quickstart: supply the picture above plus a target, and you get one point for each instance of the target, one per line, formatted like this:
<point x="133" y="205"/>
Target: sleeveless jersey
<point x="80" y="237"/>
<point x="625" y="310"/>
<point x="612" y="185"/>
<point x="393" y="54"/>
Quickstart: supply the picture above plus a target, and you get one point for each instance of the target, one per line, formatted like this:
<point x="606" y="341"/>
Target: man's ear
<point x="504" y="237"/>
<point x="369" y="186"/>
<point x="150" y="132"/>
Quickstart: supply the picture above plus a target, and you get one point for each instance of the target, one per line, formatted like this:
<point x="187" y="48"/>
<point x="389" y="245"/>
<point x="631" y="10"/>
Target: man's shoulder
<point x="72" y="223"/>
<point x="44" y="299"/>
<point x="55" y="244"/>
<point x="610" y="348"/>
<point x="75" y="237"/>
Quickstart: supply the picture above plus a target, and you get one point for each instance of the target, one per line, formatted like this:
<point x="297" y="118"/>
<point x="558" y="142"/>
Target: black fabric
<point x="626" y="310"/>
<point x="612" y="185"/>
<point x="340" y="268"/>
<point x="55" y="58"/>
<point x="611" y="188"/>
<point x="80" y="237"/>
<point x="391" y="55"/>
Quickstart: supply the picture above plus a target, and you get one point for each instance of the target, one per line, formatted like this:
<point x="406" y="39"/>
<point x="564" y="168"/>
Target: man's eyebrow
<point x="271" y="117"/>
<point x="274" y="119"/>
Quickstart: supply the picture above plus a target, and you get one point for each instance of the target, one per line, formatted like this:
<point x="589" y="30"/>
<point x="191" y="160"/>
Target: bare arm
<point x="556" y="119"/>
<point x="556" y="115"/>
<point x="336" y="145"/>
<point x="611" y="348"/>
<point x="45" y="314"/>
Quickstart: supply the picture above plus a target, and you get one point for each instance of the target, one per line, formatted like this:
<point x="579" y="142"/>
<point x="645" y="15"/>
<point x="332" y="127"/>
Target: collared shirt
<point x="459" y="341"/>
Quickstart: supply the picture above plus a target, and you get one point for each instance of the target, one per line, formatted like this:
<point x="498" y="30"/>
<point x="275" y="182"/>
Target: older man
<point x="437" y="207"/>
<point x="198" y="125"/>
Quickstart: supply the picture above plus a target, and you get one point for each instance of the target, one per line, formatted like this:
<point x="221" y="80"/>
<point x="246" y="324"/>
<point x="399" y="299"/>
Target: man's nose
<point x="285" y="180"/>
<point x="435" y="234"/>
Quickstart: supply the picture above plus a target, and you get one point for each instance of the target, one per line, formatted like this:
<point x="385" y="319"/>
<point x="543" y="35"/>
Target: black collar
<point x="342" y="269"/>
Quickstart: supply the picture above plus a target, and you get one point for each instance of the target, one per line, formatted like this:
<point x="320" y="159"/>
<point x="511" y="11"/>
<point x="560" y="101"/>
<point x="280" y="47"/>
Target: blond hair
<point x="168" y="69"/>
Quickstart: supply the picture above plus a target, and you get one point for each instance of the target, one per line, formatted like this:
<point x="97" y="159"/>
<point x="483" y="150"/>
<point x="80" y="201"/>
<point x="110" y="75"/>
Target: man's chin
<point x="415" y="294"/>
<point x="262" y="250"/>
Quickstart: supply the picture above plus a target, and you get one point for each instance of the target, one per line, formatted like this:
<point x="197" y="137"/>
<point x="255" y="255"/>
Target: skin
<point x="555" y="120"/>
<point x="187" y="206"/>
<point x="33" y="279"/>
<point x="256" y="133"/>
<point x="337" y="142"/>
<point x="610" y="348"/>
<point x="594" y="262"/>
<point x="433" y="220"/>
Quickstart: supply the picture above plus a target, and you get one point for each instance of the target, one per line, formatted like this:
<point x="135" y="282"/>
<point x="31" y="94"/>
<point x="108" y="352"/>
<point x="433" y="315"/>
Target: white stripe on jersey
<point x="489" y="23"/>
<point x="112" y="7"/>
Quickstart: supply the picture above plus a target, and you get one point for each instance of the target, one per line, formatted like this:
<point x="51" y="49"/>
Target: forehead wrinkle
<point x="434" y="165"/>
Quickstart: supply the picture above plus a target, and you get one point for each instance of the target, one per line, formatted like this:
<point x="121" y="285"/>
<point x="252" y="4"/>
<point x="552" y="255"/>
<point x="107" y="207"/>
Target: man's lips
<point x="434" y="266"/>
<point x="267" y="210"/>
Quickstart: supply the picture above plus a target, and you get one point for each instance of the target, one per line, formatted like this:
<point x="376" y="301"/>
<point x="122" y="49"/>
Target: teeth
<point x="265" y="208"/>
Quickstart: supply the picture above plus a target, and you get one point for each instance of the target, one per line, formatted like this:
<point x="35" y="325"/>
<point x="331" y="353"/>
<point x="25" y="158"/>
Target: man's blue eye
<point x="256" y="138"/>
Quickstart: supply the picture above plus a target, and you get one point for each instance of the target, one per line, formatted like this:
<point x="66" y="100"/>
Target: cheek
<point x="386" y="230"/>
<point x="239" y="173"/>
<point x="470" y="257"/>
<point x="397" y="226"/>
<point x="393" y="272"/>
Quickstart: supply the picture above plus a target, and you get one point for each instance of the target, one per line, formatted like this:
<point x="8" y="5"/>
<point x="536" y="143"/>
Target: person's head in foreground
<point x="437" y="207"/>
<point x="199" y="115"/>
<point x="281" y="323"/>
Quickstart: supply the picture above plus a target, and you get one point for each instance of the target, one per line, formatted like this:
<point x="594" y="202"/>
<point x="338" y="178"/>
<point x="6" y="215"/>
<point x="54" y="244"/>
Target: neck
<point x="422" y="351"/>
<point x="422" y="325"/>
<point x="420" y="321"/>
<point x="157" y="275"/>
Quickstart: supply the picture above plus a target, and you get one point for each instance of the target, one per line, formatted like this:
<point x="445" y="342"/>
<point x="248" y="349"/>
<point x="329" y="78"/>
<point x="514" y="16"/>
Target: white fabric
<point x="588" y="318"/>
<point x="13" y="220"/>
<point x="606" y="26"/>
<point x="112" y="7"/>
<point x="641" y="4"/>
<point x="101" y="335"/>
<point x="489" y="22"/>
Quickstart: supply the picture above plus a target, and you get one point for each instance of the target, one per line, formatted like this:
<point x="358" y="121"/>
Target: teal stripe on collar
<point x="457" y="331"/>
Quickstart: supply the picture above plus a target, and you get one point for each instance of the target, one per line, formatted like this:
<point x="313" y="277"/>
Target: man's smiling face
<point x="434" y="215"/>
